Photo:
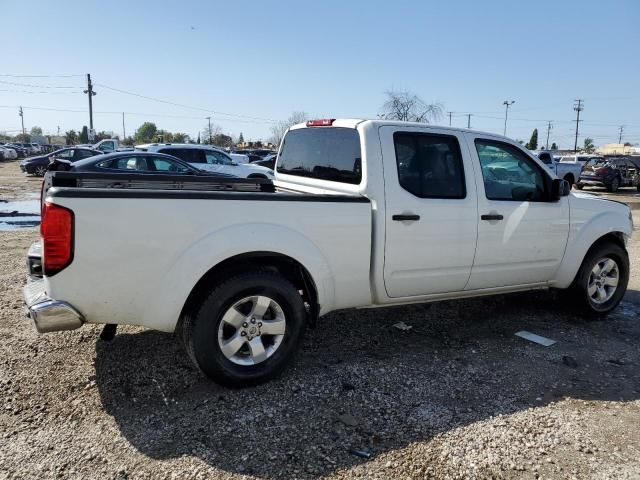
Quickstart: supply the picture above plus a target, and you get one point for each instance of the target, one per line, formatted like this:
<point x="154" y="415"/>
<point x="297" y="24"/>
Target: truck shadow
<point x="362" y="383"/>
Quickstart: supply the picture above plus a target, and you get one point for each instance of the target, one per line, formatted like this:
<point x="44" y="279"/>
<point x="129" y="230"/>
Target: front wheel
<point x="247" y="329"/>
<point x="602" y="279"/>
<point x="40" y="170"/>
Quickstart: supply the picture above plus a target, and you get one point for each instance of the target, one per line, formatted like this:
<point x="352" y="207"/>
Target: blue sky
<point x="264" y="59"/>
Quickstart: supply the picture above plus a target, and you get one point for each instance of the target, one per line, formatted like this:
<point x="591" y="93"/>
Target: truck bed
<point x="141" y="247"/>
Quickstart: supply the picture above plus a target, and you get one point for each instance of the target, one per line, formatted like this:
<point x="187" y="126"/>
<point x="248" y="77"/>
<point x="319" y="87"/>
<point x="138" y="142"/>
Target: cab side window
<point x="217" y="158"/>
<point x="429" y="165"/>
<point x="508" y="173"/>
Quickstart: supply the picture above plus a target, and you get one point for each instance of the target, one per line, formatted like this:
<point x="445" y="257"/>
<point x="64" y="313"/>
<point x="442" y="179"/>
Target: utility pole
<point x="21" y="119"/>
<point x="507" y="104"/>
<point x="449" y="117"/>
<point x="620" y="130"/>
<point x="549" y="127"/>
<point x="578" y="108"/>
<point x="124" y="132"/>
<point x="468" y="120"/>
<point x="89" y="91"/>
<point x="58" y="130"/>
<point x="210" y="139"/>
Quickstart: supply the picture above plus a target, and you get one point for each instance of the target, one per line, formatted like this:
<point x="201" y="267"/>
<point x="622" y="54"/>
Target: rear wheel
<point x="40" y="170"/>
<point x="602" y="279"/>
<point x="247" y="329"/>
<point x="570" y="179"/>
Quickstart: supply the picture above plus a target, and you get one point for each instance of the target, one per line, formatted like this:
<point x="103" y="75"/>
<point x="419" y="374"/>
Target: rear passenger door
<point x="431" y="214"/>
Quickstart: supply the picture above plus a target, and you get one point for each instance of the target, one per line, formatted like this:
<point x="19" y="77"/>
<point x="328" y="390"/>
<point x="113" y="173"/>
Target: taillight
<point x="603" y="170"/>
<point x="322" y="122"/>
<point x="56" y="228"/>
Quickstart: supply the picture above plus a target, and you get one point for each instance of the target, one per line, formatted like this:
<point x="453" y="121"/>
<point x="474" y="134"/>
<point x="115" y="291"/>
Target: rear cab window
<point x="323" y="153"/>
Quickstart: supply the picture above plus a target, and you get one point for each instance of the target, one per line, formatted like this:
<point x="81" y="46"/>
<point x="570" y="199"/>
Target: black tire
<point x="614" y="185"/>
<point x="200" y="330"/>
<point x="570" y="179"/>
<point x="579" y="288"/>
<point x="579" y="186"/>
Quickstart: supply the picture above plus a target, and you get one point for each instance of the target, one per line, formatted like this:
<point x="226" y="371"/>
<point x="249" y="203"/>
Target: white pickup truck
<point x="364" y="213"/>
<point x="565" y="168"/>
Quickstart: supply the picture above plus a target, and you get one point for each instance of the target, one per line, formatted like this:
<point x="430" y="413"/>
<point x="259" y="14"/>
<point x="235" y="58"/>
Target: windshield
<point x="597" y="162"/>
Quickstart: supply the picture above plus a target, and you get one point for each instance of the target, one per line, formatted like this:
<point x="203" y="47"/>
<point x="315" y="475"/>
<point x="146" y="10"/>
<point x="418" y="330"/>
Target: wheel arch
<point x="288" y="267"/>
<point x="580" y="247"/>
<point x="257" y="244"/>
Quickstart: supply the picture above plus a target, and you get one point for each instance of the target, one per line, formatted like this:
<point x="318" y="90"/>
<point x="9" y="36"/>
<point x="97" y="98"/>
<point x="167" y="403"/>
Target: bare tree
<point x="278" y="130"/>
<point x="408" y="107"/>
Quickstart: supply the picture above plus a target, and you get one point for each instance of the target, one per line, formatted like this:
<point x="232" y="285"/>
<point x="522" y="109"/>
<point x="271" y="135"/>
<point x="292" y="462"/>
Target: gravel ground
<point x="457" y="396"/>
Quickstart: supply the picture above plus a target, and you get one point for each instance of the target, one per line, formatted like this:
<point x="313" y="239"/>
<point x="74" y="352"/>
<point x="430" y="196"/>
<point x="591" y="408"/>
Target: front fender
<point x="207" y="252"/>
<point x="584" y="233"/>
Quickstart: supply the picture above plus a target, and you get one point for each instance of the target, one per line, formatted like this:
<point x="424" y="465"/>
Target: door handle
<point x="491" y="216"/>
<point x="406" y="217"/>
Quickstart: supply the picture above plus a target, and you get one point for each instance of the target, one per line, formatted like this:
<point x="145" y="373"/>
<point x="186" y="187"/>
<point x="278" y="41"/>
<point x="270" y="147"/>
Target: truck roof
<point x="354" y="122"/>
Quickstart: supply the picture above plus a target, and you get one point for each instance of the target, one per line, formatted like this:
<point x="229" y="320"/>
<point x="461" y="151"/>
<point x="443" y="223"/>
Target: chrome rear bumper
<point x="47" y="314"/>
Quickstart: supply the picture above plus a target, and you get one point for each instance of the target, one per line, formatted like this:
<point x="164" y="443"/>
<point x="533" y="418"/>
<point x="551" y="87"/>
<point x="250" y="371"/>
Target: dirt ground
<point x="457" y="396"/>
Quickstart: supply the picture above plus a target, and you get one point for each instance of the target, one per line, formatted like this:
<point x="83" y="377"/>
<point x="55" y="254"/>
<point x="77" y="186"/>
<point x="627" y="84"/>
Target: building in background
<point x="616" y="149"/>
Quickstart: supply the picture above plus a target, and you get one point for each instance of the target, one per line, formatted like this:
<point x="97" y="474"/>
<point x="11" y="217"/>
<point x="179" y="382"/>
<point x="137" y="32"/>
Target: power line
<point x="143" y="114"/>
<point x="30" y="92"/>
<point x="183" y="105"/>
<point x="36" y="86"/>
<point x="38" y="76"/>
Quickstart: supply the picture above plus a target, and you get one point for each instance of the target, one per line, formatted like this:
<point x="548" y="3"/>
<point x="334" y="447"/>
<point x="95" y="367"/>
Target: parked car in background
<point x="39" y="165"/>
<point x="28" y="147"/>
<point x="268" y="162"/>
<point x="582" y="158"/>
<point x="611" y="173"/>
<point x="20" y="150"/>
<point x="35" y="148"/>
<point x="205" y="157"/>
<point x="7" y="153"/>
<point x="569" y="170"/>
<point x="367" y="213"/>
<point x="138" y="162"/>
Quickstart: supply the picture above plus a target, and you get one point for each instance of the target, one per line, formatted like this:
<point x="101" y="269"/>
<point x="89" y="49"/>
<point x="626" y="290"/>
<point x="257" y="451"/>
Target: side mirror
<point x="559" y="188"/>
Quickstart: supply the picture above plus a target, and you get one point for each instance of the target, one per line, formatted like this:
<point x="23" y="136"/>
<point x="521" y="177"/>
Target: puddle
<point x="19" y="214"/>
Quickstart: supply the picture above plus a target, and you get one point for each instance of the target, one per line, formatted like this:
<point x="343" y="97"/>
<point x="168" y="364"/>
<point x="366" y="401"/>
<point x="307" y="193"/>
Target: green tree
<point x="36" y="131"/>
<point x="128" y="141"/>
<point x="198" y="138"/>
<point x="71" y="137"/>
<point x="533" y="141"/>
<point x="23" y="137"/>
<point x="554" y="146"/>
<point x="588" y="147"/>
<point x="180" y="137"/>
<point x="240" y="138"/>
<point x="146" y="132"/>
<point x="222" y="140"/>
<point x="84" y="135"/>
<point x="164" y="136"/>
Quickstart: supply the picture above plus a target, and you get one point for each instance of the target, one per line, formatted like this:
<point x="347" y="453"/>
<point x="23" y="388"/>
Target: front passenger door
<point x="522" y="234"/>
